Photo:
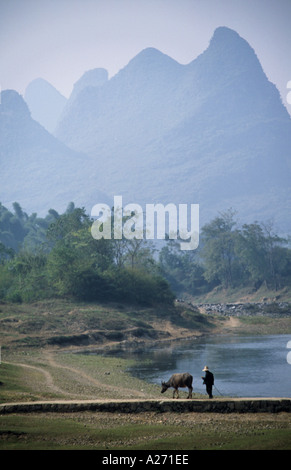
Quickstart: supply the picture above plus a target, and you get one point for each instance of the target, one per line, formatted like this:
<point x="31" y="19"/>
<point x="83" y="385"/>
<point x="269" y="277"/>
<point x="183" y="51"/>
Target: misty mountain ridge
<point x="213" y="132"/>
<point x="154" y="83"/>
<point x="45" y="103"/>
<point x="91" y="78"/>
<point x="37" y="170"/>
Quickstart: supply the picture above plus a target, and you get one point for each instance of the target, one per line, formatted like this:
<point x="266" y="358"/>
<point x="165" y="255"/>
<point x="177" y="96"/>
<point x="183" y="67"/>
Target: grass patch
<point x="265" y="325"/>
<point x="278" y="439"/>
<point x="23" y="384"/>
<point x="12" y="385"/>
<point x="114" y="431"/>
<point x="70" y="376"/>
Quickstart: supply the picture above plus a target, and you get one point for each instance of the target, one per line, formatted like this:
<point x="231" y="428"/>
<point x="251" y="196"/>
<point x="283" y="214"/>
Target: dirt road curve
<point x="129" y="399"/>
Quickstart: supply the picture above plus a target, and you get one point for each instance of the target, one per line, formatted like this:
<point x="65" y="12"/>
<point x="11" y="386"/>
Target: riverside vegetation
<point x="57" y="256"/>
<point x="46" y="318"/>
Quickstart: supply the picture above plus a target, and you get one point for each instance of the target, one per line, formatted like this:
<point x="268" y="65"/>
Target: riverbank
<point x="61" y="324"/>
<point x="39" y="363"/>
<point x="40" y="341"/>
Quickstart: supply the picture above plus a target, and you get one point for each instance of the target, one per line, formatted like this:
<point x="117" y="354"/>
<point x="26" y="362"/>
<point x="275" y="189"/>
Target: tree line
<point x="231" y="256"/>
<point x="57" y="256"/>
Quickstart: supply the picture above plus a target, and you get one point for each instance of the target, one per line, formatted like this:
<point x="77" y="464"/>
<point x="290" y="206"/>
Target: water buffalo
<point x="179" y="380"/>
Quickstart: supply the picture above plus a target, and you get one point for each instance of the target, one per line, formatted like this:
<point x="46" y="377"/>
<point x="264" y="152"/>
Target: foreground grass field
<point x="145" y="431"/>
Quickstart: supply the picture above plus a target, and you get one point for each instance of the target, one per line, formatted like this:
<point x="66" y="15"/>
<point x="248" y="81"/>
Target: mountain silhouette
<point x="91" y="78"/>
<point x="45" y="102"/>
<point x="213" y="132"/>
<point x="36" y="169"/>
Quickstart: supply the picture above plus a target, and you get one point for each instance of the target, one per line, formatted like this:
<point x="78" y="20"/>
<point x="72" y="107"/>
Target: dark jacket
<point x="209" y="378"/>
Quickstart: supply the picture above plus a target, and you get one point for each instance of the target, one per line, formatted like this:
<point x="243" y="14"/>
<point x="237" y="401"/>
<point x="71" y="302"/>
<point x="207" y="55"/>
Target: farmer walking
<point x="208" y="380"/>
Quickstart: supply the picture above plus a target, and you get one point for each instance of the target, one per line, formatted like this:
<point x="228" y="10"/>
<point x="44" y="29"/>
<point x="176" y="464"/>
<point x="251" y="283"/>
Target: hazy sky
<point x="59" y="40"/>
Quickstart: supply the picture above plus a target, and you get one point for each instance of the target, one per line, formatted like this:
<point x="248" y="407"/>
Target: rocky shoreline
<point x="268" y="309"/>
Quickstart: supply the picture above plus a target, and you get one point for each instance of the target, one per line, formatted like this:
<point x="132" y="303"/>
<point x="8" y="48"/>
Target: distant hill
<point x="91" y="78"/>
<point x="46" y="104"/>
<point x="213" y="132"/>
<point x="36" y="169"/>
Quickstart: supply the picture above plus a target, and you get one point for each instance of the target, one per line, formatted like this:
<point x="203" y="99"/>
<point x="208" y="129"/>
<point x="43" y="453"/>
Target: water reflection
<point x="243" y="366"/>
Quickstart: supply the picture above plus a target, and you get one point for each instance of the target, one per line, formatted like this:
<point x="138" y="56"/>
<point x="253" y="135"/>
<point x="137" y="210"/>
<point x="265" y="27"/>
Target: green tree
<point x="66" y="224"/>
<point x="18" y="230"/>
<point x="219" y="255"/>
<point x="29" y="277"/>
<point x="183" y="269"/>
<point x="76" y="260"/>
<point x="263" y="254"/>
<point x="5" y="253"/>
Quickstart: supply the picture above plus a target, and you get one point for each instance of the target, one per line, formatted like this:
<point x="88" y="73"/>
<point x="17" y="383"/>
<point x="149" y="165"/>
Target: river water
<point x="243" y="366"/>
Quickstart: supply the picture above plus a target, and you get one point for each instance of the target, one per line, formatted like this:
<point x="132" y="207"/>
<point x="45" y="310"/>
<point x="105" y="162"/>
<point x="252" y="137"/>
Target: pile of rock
<point x="271" y="309"/>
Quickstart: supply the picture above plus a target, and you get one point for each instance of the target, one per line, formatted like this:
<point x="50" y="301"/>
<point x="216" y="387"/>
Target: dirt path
<point x="77" y="375"/>
<point x="234" y="322"/>
<point x="51" y="358"/>
<point x="48" y="377"/>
